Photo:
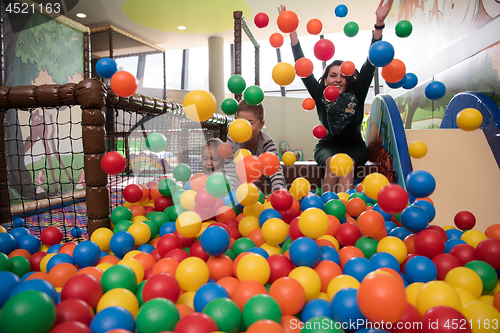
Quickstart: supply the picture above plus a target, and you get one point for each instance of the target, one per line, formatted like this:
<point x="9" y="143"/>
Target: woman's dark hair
<point x="348" y="79"/>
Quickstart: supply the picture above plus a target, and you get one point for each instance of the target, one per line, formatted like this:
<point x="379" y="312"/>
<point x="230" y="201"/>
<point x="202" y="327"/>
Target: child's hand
<point x="281" y="9"/>
<point x="383" y="10"/>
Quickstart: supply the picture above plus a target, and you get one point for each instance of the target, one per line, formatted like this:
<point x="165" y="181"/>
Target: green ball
<point x="261" y="307"/>
<point x="230" y="254"/>
<point x="4" y="262"/>
<point x="336" y="208"/>
<point x="404" y="29"/>
<point x="153" y="227"/>
<point x="236" y="84"/>
<point x="176" y="197"/>
<point x="182" y="172"/>
<point x="317" y="325"/>
<point x="157" y="315"/>
<point x="229" y="106"/>
<point x="175" y="211"/>
<point x="241" y="245"/>
<point x="225" y="313"/>
<point x="167" y="187"/>
<point x="119" y="276"/>
<point x="160" y="218"/>
<point x="262" y="197"/>
<point x="367" y="245"/>
<point x="19" y="265"/>
<point x="351" y="29"/>
<point x="187" y="249"/>
<point x="123" y="225"/>
<point x="150" y="215"/>
<point x="121" y="213"/>
<point x="253" y="95"/>
<point x="28" y="312"/>
<point x="318" y="191"/>
<point x="358" y="195"/>
<point x="138" y="293"/>
<point x="486" y="272"/>
<point x="156" y="142"/>
<point x="286" y="245"/>
<point x="218" y="186"/>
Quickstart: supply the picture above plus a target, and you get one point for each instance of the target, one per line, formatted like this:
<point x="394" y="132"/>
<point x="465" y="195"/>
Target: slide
<point x="465" y="165"/>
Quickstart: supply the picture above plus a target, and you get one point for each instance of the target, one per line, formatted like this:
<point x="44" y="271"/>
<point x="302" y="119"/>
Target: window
<point x="128" y="64"/>
<point x="198" y="68"/>
<point x="173" y="64"/>
<point x="153" y="71"/>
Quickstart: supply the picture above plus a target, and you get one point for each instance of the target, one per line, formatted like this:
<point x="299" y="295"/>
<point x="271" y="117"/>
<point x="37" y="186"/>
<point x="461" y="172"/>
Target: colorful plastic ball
<point x="398" y="84"/>
<point x="240" y="130"/>
<point x="469" y="119"/>
<point x="196" y="322"/>
<point x="121" y="243"/>
<point x="420" y="183"/>
<point x="182" y="172"/>
<point x="253" y="267"/>
<point x="344" y="307"/>
<point x="437" y="293"/>
<point x="314" y="27"/>
<point x="236" y="84"/>
<point x="7" y="243"/>
<point x="311" y="201"/>
<point x="106" y="67"/>
<point x="261" y="307"/>
<point x="215" y="240"/>
<point x="488" y="250"/>
<point x="358" y="267"/>
<point x="394" y="246"/>
<point x="156" y="142"/>
<point x="270" y="163"/>
<point x="381" y="53"/>
<point x="313" y="223"/>
<point x="436" y="318"/>
<point x="280" y="266"/>
<point x="132" y="193"/>
<point x="87" y="253"/>
<point x="199" y="105"/>
<point x="274" y="231"/>
<point x="253" y="95"/>
<point x="348" y="234"/>
<point x="288" y="21"/>
<point x="229" y="106"/>
<point x="478" y="314"/>
<point x="331" y="93"/>
<point x="315" y="308"/>
<point x="371" y="223"/>
<point x="119" y="297"/>
<point x="404" y="28"/>
<point x="123" y="84"/>
<point x="261" y="20"/>
<point x="114" y="317"/>
<point x="435" y="90"/>
<point x="368" y="246"/>
<point x="225" y="313"/>
<point x="429" y="243"/>
<point x="288" y="158"/>
<point x="373" y="183"/>
<point x="207" y="293"/>
<point x="464" y="220"/>
<point x="417" y="149"/>
<point x="119" y="276"/>
<point x="51" y="235"/>
<point x="29" y="243"/>
<point x="486" y="272"/>
<point x="414" y="219"/>
<point x="113" y="163"/>
<point x="319" y="131"/>
<point x="304" y="252"/>
<point x="157" y="315"/>
<point x="300" y="187"/>
<point x="341" y="164"/>
<point x="341" y="11"/>
<point x="347" y="68"/>
<point x="394" y="71"/>
<point x="392" y="199"/>
<point x="308" y="103"/>
<point x="473" y="237"/>
<point x="218" y="185"/>
<point x="420" y="269"/>
<point x="351" y="29"/>
<point x="428" y="208"/>
<point x="73" y="310"/>
<point x="324" y="49"/>
<point x="265" y="325"/>
<point x="304" y="68"/>
<point x="276" y="41"/>
<point x="192" y="273"/>
<point x="411" y="81"/>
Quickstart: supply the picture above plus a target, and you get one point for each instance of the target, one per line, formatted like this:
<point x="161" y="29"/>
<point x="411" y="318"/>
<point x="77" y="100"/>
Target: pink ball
<point x="464" y="220"/>
<point x="261" y="20"/>
<point x="51" y="236"/>
<point x="203" y="199"/>
<point x="319" y="131"/>
<point x="331" y="93"/>
<point x="113" y="163"/>
<point x="324" y="50"/>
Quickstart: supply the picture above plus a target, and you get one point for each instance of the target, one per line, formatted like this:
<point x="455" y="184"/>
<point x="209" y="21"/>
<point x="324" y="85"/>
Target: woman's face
<point x="336" y="79"/>
<point x="210" y="161"/>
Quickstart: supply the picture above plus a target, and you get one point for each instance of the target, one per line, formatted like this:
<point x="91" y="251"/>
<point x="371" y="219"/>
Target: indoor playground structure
<point x="109" y="224"/>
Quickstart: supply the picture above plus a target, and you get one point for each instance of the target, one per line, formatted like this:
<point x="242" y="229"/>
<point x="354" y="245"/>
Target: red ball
<point x="71" y="326"/>
<point x="51" y="236"/>
<point x="294" y="230"/>
<point x="280" y="266"/>
<point x="444" y="263"/>
<point x="270" y="163"/>
<point x="35" y="260"/>
<point x="167" y="243"/>
<point x="488" y="251"/>
<point x="464" y="220"/>
<point x="74" y="310"/>
<point x="123" y="84"/>
<point x="464" y="253"/>
<point x="261" y="20"/>
<point x="161" y="203"/>
<point x="438" y="319"/>
<point x="409" y="322"/>
<point x="392" y="199"/>
<point x="132" y="193"/>
<point x="319" y="131"/>
<point x="440" y="230"/>
<point x="161" y="285"/>
<point x="347" y="234"/>
<point x="281" y="200"/>
<point x="196" y="251"/>
<point x="113" y="163"/>
<point x="288" y="215"/>
<point x="429" y="243"/>
<point x="196" y="322"/>
<point x="177" y="254"/>
<point x="324" y="49"/>
<point x="331" y="93"/>
<point x="185" y="241"/>
<point x="84" y="287"/>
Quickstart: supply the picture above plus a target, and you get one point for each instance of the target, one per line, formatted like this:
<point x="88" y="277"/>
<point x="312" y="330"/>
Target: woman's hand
<point x="294" y="39"/>
<point x="382" y="11"/>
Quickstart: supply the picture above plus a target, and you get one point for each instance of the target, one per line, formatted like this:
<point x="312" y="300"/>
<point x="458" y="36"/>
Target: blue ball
<point x="7" y="243"/>
<point x="9" y="282"/>
<point x="103" y="254"/>
<point x="167" y="228"/>
<point x="454" y="233"/>
<point x="215" y="240"/>
<point x="259" y="251"/>
<point x="19" y="233"/>
<point x="420" y="183"/>
<point x="389" y="225"/>
<point x="187" y="186"/>
<point x="59" y="259"/>
<point x="411" y="81"/>
<point x="398" y="84"/>
<point x="87" y="253"/>
<point x="344" y="308"/>
<point x="146" y="248"/>
<point x="54" y="248"/>
<point x="405" y="281"/>
<point x="384" y="259"/>
<point x="341" y="11"/>
<point x="76" y="232"/>
<point x="18" y="222"/>
<point x="207" y="293"/>
<point x="420" y="269"/>
<point x="328" y="195"/>
<point x="114" y="317"/>
<point x="121" y="243"/>
<point x="435" y="90"/>
<point x="315" y="308"/>
<point x="268" y="214"/>
<point x="312" y="201"/>
<point x="38" y="285"/>
<point x="358" y="267"/>
<point x="106" y="67"/>
<point x="414" y="219"/>
<point x="328" y="252"/>
<point x="428" y="207"/>
<point x="400" y="233"/>
<point x="381" y="53"/>
<point x="29" y="243"/>
<point x="451" y="243"/>
<point x="386" y="215"/>
<point x="304" y="251"/>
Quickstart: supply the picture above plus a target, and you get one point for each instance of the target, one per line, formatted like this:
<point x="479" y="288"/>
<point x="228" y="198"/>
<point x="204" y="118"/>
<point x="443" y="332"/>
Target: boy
<point x="258" y="143"/>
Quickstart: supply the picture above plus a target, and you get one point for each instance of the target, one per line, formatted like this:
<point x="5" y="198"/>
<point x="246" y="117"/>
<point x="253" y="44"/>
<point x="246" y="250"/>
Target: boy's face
<point x="257" y="125"/>
<point x="210" y="161"/>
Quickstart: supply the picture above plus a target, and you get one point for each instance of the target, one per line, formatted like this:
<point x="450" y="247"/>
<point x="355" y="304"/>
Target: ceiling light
<point x="81" y="15"/>
<point x="181" y="27"/>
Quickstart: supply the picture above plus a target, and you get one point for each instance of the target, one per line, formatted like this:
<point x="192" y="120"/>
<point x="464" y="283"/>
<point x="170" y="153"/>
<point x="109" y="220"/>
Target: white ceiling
<point x="109" y="12"/>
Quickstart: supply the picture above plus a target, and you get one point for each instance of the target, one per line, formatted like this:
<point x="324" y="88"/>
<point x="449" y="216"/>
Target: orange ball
<point x="38" y="275"/>
<point x="347" y="68"/>
<point x="146" y="260"/>
<point x="276" y="40"/>
<point x="245" y="290"/>
<point x="289" y="324"/>
<point x="304" y="68"/>
<point x="410" y="243"/>
<point x="348" y="252"/>
<point x="496" y="301"/>
<point x="314" y="26"/>
<point x="249" y="169"/>
<point x="220" y="267"/>
<point x="237" y="260"/>
<point x="265" y="325"/>
<point x="327" y="270"/>
<point x="288" y="21"/>
<point x="394" y="72"/>
<point x="333" y="225"/>
<point x="61" y="273"/>
<point x="355" y="206"/>
<point x="308" y="104"/>
<point x="371" y="223"/>
<point x="20" y="253"/>
<point x="198" y="181"/>
<point x="256" y="236"/>
<point x="225" y="213"/>
<point x="224" y="150"/>
<point x="289" y="294"/>
<point x="184" y="310"/>
<point x="166" y="265"/>
<point x="270" y="163"/>
<point x="493" y="231"/>
<point x="229" y="283"/>
<point x="137" y="210"/>
<point x="108" y="260"/>
<point x="154" y="193"/>
<point x="67" y="248"/>
<point x="91" y="270"/>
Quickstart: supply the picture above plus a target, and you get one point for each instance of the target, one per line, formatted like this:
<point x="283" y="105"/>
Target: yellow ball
<point x="300" y="187"/>
<point x="240" y="130"/>
<point x="473" y="237"/>
<point x="253" y="210"/>
<point x="466" y="278"/>
<point x="188" y="224"/>
<point x="44" y="248"/>
<point x="274" y="231"/>
<point x="373" y="183"/>
<point x="271" y="249"/>
<point x="483" y="317"/>
<point x="141" y="232"/>
<point x="448" y="227"/>
<point x="101" y="237"/>
<point x="289" y="158"/>
<point x="247" y="194"/>
<point x="340" y="282"/>
<point x="247" y="224"/>
<point x="309" y="280"/>
<point x="331" y="239"/>
<point x="469" y="119"/>
<point x="119" y="297"/>
<point x="192" y="273"/>
<point x="45" y="261"/>
<point x="187" y="199"/>
<point x="341" y="164"/>
<point x="465" y="295"/>
<point x="131" y="254"/>
<point x="412" y="292"/>
<point x="323" y="295"/>
<point x="394" y="246"/>
<point x="139" y="218"/>
<point x="253" y="267"/>
<point x="488" y="299"/>
<point x="417" y="149"/>
<point x="104" y="266"/>
<point x="2" y="229"/>
<point x="437" y="293"/>
<point x="204" y="225"/>
<point x="240" y="153"/>
<point x="187" y="298"/>
<point x="343" y="196"/>
<point x="199" y="105"/>
<point x="283" y="74"/>
<point x="267" y="205"/>
<point x="313" y="223"/>
<point x="136" y="266"/>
